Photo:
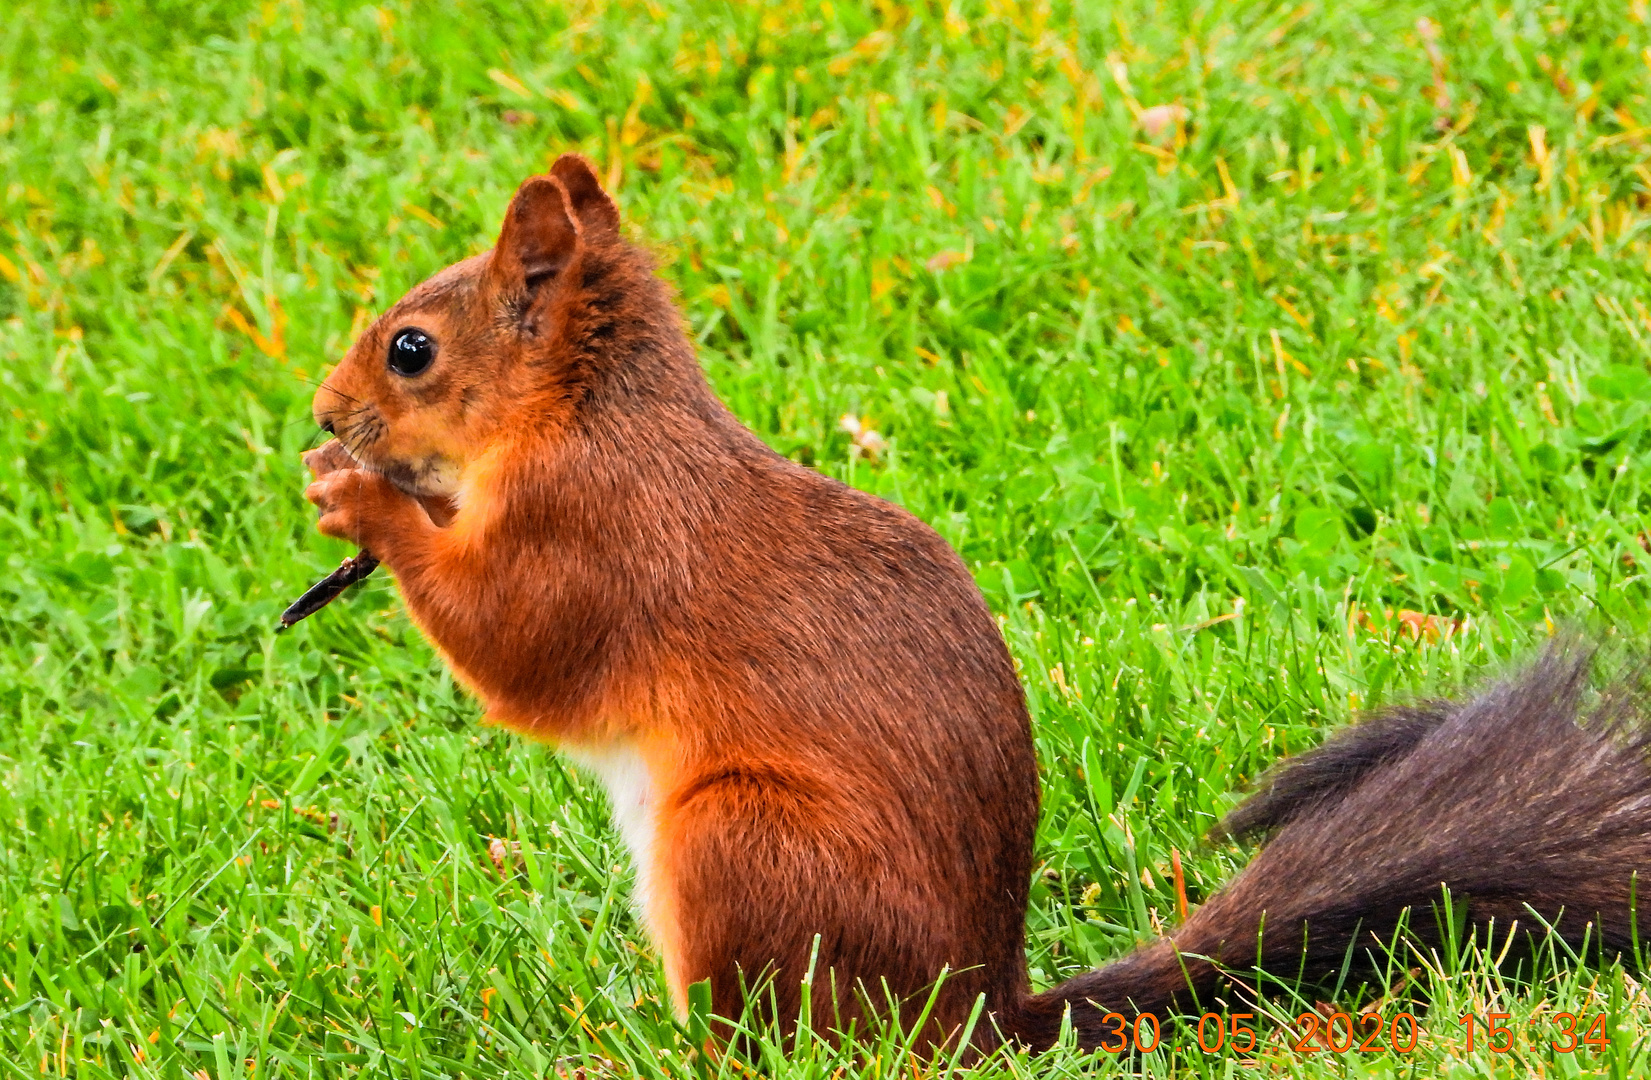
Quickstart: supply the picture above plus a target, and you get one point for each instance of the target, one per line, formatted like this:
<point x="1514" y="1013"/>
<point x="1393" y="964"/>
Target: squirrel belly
<point x="807" y="721"/>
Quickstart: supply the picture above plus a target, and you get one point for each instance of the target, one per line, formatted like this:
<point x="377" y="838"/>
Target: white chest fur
<point x="631" y="792"/>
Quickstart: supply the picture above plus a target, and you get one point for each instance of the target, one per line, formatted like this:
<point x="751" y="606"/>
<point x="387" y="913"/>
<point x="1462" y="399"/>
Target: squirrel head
<point x="447" y="371"/>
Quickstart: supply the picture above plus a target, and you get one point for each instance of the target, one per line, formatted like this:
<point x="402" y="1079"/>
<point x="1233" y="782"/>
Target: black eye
<point x="411" y="351"/>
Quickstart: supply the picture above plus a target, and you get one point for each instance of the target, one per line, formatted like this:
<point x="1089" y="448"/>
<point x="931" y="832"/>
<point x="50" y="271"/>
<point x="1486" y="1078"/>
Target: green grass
<point x="1367" y="331"/>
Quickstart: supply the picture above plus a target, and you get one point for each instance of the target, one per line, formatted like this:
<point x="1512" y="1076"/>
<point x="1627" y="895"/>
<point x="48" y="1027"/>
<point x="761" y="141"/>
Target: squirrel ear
<point x="538" y="239"/>
<point x="591" y="205"/>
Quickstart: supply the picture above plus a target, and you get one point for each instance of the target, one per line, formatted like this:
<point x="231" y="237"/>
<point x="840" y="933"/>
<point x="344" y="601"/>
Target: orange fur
<point x="835" y="742"/>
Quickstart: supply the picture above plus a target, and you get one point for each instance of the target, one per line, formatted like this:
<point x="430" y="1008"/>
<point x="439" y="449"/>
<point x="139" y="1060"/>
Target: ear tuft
<point x="538" y="237"/>
<point x="591" y="204"/>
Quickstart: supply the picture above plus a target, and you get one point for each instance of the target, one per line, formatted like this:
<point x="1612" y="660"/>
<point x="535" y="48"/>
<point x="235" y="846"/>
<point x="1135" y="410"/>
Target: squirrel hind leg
<point x="775" y="882"/>
<point x="1318" y="777"/>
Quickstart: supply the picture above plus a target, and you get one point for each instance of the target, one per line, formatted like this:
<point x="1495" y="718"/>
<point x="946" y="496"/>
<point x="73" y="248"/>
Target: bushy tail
<point x="1514" y="801"/>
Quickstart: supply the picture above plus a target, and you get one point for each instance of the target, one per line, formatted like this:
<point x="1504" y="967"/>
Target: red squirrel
<point x="806" y="718"/>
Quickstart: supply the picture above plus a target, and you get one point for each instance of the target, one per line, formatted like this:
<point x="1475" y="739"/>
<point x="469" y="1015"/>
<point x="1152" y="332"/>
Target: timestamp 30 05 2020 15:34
<point x="1365" y="1033"/>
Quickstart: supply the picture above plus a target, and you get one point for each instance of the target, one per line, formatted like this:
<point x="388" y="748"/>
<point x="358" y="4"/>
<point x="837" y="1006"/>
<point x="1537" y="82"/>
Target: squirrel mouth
<point x="432" y="476"/>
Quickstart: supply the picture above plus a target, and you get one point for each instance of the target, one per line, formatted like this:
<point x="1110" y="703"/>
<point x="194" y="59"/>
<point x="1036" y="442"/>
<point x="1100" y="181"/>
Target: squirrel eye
<point x="411" y="351"/>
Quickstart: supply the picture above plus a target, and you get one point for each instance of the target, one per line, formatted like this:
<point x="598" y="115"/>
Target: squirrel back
<point x="808" y="722"/>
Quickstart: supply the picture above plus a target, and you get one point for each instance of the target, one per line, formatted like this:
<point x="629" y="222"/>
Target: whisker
<point x="310" y="420"/>
<point x="322" y="384"/>
<point x="361" y="436"/>
<point x="344" y="421"/>
<point x="351" y="414"/>
<point x="290" y="424"/>
<point x="333" y="389"/>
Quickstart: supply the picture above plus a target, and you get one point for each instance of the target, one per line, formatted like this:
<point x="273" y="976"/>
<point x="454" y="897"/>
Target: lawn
<point x="1266" y="362"/>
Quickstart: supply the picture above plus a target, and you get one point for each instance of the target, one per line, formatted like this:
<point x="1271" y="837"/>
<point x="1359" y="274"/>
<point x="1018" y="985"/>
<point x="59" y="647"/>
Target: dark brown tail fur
<point x="1514" y="801"/>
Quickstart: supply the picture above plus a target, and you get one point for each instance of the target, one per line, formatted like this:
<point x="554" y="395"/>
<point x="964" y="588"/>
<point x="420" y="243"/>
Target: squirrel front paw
<point x="329" y="457"/>
<point x="357" y="505"/>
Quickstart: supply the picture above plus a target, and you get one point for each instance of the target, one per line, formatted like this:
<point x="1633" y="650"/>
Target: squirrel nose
<point x="326" y="425"/>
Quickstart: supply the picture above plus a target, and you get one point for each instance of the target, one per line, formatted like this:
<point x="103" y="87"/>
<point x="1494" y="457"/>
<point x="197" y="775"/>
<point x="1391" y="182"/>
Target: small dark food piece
<point x="329" y="588"/>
